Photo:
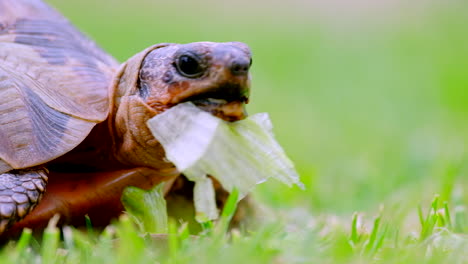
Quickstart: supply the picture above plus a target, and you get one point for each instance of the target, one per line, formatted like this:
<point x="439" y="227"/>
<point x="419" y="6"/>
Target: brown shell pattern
<point x="53" y="84"/>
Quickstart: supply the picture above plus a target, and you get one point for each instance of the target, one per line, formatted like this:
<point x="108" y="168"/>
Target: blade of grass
<point x="50" y="241"/>
<point x="354" y="229"/>
<point x="173" y="241"/>
<point x="448" y="216"/>
<point x="421" y="216"/>
<point x="131" y="245"/>
<point x="228" y="212"/>
<point x="24" y="240"/>
<point x="372" y="239"/>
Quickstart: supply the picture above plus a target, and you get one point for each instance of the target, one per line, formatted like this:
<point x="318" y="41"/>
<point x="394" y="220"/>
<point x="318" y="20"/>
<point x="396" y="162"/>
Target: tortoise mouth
<point x="226" y="101"/>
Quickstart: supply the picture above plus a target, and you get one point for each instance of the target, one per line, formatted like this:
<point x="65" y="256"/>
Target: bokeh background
<point x="369" y="98"/>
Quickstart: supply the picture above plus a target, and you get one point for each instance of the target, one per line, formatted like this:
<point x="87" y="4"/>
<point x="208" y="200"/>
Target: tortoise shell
<point x="53" y="84"/>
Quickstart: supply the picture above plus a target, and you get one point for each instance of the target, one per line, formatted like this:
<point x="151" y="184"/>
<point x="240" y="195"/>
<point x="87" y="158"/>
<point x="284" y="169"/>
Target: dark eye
<point x="189" y="66"/>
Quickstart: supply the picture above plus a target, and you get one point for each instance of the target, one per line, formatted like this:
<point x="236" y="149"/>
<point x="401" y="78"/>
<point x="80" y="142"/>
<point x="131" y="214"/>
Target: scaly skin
<point x="20" y="192"/>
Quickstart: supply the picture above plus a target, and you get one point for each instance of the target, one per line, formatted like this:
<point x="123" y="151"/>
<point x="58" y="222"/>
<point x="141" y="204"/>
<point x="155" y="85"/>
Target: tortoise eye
<point x="189" y="66"/>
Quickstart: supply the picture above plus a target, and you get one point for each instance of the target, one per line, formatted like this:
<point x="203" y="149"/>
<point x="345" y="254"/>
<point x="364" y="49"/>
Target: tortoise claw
<point x="20" y="192"/>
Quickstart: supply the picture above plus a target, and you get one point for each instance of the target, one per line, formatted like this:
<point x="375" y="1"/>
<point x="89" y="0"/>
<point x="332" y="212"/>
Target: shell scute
<point x="53" y="84"/>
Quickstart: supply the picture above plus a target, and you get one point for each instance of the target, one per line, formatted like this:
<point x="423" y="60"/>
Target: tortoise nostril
<point x="240" y="67"/>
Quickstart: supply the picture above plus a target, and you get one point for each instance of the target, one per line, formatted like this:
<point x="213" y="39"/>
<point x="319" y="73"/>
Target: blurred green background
<point x="369" y="98"/>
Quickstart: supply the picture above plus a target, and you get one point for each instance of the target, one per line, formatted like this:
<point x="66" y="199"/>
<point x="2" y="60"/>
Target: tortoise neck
<point x="132" y="142"/>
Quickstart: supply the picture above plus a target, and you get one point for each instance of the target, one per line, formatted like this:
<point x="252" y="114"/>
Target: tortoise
<point x="73" y="128"/>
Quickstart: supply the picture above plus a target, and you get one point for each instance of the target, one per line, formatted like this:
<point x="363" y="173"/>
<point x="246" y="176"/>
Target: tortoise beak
<point x="226" y="101"/>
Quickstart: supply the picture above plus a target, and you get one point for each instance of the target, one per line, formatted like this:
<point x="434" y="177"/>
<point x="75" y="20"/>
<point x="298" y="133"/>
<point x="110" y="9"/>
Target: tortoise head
<point x="214" y="76"/>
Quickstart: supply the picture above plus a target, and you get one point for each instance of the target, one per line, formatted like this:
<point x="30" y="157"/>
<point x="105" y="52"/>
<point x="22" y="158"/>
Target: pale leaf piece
<point x="238" y="154"/>
<point x="204" y="197"/>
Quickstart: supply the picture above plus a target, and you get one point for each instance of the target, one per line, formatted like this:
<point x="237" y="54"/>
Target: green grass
<point x="325" y="241"/>
<point x="372" y="109"/>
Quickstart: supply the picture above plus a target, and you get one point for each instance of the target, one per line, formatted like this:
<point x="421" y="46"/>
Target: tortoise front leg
<point x="20" y="192"/>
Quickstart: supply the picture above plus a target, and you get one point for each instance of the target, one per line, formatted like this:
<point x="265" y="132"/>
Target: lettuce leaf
<point x="238" y="154"/>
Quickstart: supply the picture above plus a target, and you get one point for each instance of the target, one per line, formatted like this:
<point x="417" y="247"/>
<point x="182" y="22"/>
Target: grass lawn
<point x="371" y="103"/>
